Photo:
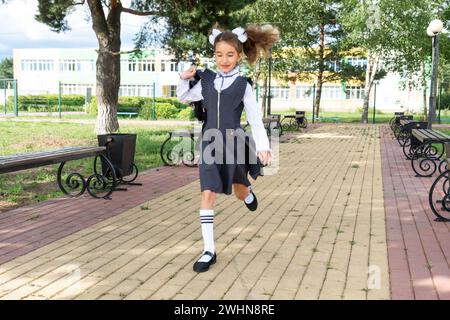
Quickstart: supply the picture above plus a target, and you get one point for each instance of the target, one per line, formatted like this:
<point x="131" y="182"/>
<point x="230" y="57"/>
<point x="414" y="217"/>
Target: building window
<point x="304" y="92"/>
<point x="83" y="65"/>
<point x="69" y="88"/>
<point x="353" y="93"/>
<point x="280" y="93"/>
<point x="357" y="62"/>
<point x="131" y="65"/>
<point x="333" y="66"/>
<point x="169" y="66"/>
<point x="135" y="90"/>
<point x="146" y="65"/>
<point x="169" y="91"/>
<point x="37" y="65"/>
<point x="174" y="67"/>
<point x="331" y="92"/>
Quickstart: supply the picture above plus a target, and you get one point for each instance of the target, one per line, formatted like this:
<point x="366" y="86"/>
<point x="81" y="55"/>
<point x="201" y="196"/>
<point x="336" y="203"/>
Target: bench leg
<point x="73" y="182"/>
<point x="101" y="185"/>
<point x="439" y="197"/>
<point x="425" y="160"/>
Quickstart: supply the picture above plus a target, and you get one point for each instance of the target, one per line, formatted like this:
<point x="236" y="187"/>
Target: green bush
<point x="166" y="111"/>
<point x="186" y="114"/>
<point x="48" y="102"/>
<point x="140" y="105"/>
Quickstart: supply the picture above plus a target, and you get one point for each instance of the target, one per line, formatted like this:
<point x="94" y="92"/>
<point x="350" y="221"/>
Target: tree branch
<point x="140" y="13"/>
<point x="116" y="53"/>
<point x="99" y="22"/>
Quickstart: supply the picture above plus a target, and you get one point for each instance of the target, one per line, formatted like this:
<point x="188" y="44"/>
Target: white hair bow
<point x="239" y="31"/>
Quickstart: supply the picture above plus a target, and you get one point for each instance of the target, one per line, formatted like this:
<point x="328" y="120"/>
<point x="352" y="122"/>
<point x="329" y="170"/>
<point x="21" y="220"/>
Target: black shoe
<point x="204" y="266"/>
<point x="254" y="204"/>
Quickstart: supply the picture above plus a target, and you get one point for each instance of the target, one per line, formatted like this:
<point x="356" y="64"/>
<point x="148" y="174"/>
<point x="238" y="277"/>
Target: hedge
<point x="166" y="108"/>
<point x="48" y="102"/>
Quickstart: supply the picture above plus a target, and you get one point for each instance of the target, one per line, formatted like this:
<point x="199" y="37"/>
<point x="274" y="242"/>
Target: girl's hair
<point x="259" y="40"/>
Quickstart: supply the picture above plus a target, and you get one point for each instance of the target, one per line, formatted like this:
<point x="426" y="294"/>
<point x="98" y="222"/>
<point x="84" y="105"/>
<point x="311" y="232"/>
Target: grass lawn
<point x="344" y="117"/>
<point x="34" y="185"/>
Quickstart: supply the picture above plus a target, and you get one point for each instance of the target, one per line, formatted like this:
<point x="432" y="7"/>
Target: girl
<point x="225" y="94"/>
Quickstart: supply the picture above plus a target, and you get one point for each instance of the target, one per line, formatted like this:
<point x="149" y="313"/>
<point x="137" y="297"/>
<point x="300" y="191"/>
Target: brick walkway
<point x="319" y="233"/>
<point x="418" y="246"/>
<point x="27" y="228"/>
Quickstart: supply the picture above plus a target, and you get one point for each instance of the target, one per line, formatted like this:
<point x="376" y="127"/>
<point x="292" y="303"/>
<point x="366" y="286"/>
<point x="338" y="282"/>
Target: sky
<point x="19" y="29"/>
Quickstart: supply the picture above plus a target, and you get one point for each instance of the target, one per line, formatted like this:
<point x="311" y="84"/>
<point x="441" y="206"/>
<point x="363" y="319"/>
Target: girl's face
<point x="226" y="56"/>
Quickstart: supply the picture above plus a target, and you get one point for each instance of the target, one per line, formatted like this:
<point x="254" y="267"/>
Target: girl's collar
<point x="230" y="73"/>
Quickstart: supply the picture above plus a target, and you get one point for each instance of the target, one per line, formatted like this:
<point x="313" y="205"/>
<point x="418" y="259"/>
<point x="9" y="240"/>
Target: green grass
<point x="34" y="185"/>
<point x="343" y="117"/>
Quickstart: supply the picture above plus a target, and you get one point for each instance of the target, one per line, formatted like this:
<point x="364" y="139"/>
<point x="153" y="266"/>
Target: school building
<point x="41" y="71"/>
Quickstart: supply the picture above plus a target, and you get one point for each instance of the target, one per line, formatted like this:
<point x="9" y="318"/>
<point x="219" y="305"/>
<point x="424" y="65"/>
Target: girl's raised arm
<point x="184" y="92"/>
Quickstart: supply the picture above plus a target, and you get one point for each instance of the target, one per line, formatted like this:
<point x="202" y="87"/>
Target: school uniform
<point x="225" y="96"/>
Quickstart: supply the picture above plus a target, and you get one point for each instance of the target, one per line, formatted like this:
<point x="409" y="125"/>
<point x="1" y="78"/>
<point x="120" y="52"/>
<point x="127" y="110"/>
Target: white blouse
<point x="254" y="114"/>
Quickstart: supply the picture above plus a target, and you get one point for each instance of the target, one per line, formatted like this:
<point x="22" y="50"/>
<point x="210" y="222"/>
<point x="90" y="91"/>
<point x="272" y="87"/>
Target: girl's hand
<point x="189" y="73"/>
<point x="265" y="157"/>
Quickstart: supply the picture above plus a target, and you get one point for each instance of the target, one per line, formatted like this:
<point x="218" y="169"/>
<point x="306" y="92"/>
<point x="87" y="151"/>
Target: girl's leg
<point x="241" y="191"/>
<point x="207" y="201"/>
<point x="244" y="193"/>
<point x="208" y="198"/>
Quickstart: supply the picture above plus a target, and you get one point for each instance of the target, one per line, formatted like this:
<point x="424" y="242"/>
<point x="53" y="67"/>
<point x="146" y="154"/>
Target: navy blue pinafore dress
<point x="224" y="110"/>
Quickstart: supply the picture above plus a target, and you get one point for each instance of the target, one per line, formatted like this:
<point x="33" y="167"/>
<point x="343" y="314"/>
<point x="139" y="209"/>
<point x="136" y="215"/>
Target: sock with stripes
<point x="207" y="220"/>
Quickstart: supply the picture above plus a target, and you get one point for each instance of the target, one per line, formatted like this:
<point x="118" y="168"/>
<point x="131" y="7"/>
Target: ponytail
<point x="260" y="39"/>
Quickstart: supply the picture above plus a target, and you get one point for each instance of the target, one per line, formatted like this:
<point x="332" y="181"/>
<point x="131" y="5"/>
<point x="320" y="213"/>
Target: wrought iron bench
<point x="100" y="184"/>
<point x="179" y="147"/>
<point x="295" y="122"/>
<point x="393" y="119"/>
<point x="404" y="135"/>
<point x="273" y="122"/>
<point x="439" y="195"/>
<point x="426" y="151"/>
<point x="396" y="126"/>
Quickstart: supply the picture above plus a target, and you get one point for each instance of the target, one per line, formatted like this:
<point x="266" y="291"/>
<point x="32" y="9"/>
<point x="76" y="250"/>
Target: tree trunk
<point x="108" y="82"/>
<point x="107" y="31"/>
<point x="372" y="68"/>
<point x="424" y="92"/>
<point x="321" y="69"/>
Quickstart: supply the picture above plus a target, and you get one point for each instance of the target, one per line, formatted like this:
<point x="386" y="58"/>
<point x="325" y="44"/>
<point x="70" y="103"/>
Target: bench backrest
<point x="402" y="117"/>
<point x="409" y="125"/>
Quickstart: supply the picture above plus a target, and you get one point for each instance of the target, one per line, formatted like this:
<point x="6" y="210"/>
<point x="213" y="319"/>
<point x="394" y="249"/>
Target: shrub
<point x="186" y="114"/>
<point x="166" y="111"/>
<point x="48" y="102"/>
<point x="140" y="105"/>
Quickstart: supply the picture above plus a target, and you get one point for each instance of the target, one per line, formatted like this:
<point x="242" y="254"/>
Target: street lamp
<point x="434" y="29"/>
<point x="376" y="82"/>
<point x="269" y="101"/>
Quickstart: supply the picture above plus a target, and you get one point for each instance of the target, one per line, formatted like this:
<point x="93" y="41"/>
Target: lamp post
<point x="269" y="99"/>
<point x="434" y="29"/>
<point x="374" y="100"/>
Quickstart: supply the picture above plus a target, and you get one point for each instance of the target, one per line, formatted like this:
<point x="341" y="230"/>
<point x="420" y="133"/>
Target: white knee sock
<point x="207" y="220"/>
